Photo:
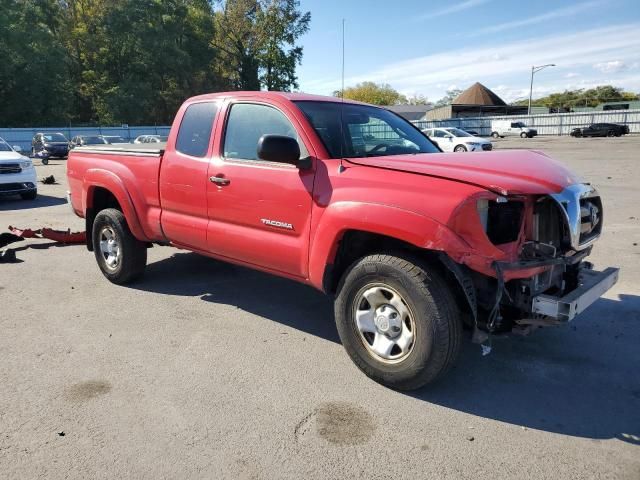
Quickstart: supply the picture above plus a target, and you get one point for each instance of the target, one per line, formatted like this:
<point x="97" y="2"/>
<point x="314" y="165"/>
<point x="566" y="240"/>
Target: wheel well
<point x="356" y="244"/>
<point x="99" y="199"/>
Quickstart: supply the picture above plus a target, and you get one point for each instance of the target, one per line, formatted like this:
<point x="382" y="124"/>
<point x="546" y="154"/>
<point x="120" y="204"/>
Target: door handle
<point x="219" y="180"/>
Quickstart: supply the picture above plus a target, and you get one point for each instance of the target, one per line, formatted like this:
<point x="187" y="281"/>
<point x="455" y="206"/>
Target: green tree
<point x="257" y="41"/>
<point x="373" y="93"/>
<point x="417" y="99"/>
<point x="34" y="85"/>
<point x="448" y="98"/>
<point x="583" y="98"/>
<point x="280" y="24"/>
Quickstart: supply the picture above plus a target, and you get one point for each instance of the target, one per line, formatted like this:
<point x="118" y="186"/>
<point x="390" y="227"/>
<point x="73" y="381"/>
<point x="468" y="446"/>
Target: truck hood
<point x="504" y="172"/>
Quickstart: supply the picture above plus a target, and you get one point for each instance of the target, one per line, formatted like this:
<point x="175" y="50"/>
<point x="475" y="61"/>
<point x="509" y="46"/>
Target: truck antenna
<point x="341" y="168"/>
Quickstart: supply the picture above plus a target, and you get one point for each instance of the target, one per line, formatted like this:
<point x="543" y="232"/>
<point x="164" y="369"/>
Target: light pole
<point x="535" y="69"/>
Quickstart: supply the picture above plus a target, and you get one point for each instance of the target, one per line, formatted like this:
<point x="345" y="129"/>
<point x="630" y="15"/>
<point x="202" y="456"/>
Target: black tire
<point x="32" y="195"/>
<point x="460" y="148"/>
<point x="495" y="134"/>
<point x="45" y="161"/>
<point x="523" y="135"/>
<point x="132" y="256"/>
<point x="610" y="133"/>
<point x="438" y="324"/>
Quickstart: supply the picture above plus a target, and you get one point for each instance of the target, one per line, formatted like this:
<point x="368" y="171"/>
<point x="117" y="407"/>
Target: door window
<point x="195" y="129"/>
<point x="248" y="122"/>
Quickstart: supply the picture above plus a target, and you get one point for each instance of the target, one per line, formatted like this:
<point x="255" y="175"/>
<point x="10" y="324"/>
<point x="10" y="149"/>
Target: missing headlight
<point x="501" y="221"/>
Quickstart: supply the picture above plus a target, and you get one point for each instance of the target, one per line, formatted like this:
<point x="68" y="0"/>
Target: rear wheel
<point x="398" y="321"/>
<point x="460" y="148"/>
<point x="523" y="135"/>
<point x="495" y="134"/>
<point x="121" y="257"/>
<point x="610" y="133"/>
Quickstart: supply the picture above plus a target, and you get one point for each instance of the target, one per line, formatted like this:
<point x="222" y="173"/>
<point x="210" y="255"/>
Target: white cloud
<point x="458" y="7"/>
<point x="610" y="67"/>
<point x="571" y="75"/>
<point x="553" y="14"/>
<point x="570" y="51"/>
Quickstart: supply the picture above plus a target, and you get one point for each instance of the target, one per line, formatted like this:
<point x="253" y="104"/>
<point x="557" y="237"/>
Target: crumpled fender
<point x="109" y="181"/>
<point x="405" y="225"/>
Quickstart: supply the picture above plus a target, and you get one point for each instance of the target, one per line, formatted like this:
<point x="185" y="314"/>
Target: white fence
<point x="546" y="124"/>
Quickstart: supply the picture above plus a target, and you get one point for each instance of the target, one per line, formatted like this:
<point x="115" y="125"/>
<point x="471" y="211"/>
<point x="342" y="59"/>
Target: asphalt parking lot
<point x="206" y="370"/>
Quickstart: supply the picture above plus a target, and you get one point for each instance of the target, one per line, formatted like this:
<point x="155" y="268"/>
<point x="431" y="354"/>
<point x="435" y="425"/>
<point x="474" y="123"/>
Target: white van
<point x="507" y="128"/>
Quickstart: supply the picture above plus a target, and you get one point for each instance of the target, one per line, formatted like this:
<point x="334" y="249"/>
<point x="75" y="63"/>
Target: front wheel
<point x="398" y="321"/>
<point x="460" y="148"/>
<point x="45" y="161"/>
<point x="495" y="135"/>
<point x="121" y="257"/>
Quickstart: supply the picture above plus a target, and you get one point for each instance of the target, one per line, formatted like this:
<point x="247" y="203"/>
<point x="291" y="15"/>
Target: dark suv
<point x="54" y="144"/>
<point x="601" y="130"/>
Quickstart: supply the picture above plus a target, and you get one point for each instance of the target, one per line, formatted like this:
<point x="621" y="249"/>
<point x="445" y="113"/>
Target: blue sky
<point x="427" y="47"/>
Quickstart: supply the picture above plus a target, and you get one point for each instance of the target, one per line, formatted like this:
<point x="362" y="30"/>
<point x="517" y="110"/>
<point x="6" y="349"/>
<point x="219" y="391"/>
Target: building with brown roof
<point x="475" y="101"/>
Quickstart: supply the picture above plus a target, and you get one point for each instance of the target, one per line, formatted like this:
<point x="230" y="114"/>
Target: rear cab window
<point x="196" y="128"/>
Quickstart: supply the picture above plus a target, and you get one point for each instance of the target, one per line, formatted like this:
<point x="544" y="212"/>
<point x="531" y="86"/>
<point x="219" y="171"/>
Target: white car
<point x="456" y="140"/>
<point x="17" y="173"/>
<point x="150" y="139"/>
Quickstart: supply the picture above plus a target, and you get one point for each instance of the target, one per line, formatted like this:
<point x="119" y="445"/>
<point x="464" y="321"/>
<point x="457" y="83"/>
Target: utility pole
<point x="535" y="69"/>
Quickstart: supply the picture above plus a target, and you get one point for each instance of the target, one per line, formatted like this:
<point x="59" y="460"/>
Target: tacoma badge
<point x="275" y="223"/>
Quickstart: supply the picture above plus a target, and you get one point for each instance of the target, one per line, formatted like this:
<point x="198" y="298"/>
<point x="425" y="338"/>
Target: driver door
<point x="259" y="211"/>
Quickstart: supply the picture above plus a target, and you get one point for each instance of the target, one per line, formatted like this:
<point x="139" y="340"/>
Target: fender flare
<point x="405" y="225"/>
<point x="98" y="178"/>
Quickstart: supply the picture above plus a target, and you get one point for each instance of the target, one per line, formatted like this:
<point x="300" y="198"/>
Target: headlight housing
<point x="26" y="164"/>
<point x="474" y="144"/>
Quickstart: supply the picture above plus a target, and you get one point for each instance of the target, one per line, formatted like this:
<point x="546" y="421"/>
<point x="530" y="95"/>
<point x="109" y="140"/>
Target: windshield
<point x="4" y="146"/>
<point x="456" y="132"/>
<point x="94" y="141"/>
<point x="366" y="131"/>
<point x="54" y="137"/>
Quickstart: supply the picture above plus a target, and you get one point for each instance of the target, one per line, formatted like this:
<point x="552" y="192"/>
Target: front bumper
<point x="592" y="285"/>
<point x="17" y="183"/>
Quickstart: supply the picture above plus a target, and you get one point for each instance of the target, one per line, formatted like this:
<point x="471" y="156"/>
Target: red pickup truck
<point x="414" y="244"/>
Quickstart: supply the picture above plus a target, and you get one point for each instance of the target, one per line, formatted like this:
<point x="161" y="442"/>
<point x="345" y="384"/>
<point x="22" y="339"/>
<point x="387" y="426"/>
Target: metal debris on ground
<point x="8" y="256"/>
<point x="16" y="235"/>
<point x="7" y="238"/>
<point x="60" y="236"/>
<point x="50" y="180"/>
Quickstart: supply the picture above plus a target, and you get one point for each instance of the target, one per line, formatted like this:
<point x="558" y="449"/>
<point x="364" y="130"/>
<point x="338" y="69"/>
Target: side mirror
<point x="280" y="148"/>
<point x="17" y="148"/>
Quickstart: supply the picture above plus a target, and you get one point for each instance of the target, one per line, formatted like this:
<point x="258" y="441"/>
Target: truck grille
<point x="14" y="187"/>
<point x="10" y="168"/>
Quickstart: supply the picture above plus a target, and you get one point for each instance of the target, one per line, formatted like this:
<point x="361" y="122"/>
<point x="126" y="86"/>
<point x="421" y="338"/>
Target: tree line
<point x="591" y="97"/>
<point x="135" y="61"/>
<point x="384" y="94"/>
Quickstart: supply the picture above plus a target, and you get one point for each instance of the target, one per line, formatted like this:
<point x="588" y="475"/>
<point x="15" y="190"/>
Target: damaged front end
<point x="526" y="264"/>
